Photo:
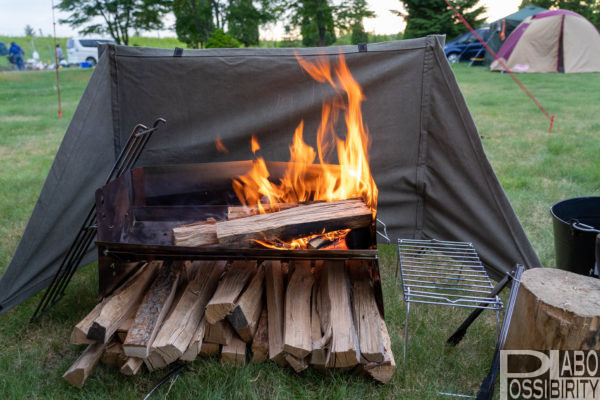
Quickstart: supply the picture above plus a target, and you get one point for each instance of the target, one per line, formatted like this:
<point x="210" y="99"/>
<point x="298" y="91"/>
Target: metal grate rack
<point x="444" y="273"/>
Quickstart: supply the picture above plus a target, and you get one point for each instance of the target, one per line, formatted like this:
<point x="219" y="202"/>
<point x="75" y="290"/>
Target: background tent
<point x="552" y="41"/>
<point x="501" y="29"/>
<point x="426" y="155"/>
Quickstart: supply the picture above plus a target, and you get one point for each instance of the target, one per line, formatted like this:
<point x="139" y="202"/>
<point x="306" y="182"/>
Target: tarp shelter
<point x="426" y="155"/>
<point x="552" y="41"/>
<point x="500" y="30"/>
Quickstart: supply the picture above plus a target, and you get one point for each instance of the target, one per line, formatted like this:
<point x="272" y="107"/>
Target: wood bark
<point x="297" y="332"/>
<point x="197" y="234"/>
<point x="80" y="331"/>
<point x="229" y="289"/>
<point x="122" y="304"/>
<point x="152" y="311"/>
<point x="275" y="312"/>
<point x="83" y="366"/>
<point x="555" y="310"/>
<point x="234" y="352"/>
<point x="365" y="312"/>
<point x="260" y="342"/>
<point x="295" y="222"/>
<point x="178" y="329"/>
<point x="336" y="316"/>
<point x="219" y="332"/>
<point x="132" y="366"/>
<point x="246" y="311"/>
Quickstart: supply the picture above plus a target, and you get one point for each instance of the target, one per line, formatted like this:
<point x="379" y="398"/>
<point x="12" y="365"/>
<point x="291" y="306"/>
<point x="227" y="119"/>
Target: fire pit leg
<point x="406" y="335"/>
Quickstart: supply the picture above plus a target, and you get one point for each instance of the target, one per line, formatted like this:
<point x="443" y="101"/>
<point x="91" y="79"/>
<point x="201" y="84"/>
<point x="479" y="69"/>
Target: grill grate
<point x="444" y="273"/>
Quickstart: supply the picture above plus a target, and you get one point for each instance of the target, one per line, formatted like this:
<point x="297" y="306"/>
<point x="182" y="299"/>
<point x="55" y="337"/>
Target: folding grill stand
<point x="451" y="274"/>
<point x="127" y="158"/>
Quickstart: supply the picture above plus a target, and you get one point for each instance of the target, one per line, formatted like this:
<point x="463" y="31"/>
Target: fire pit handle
<point x="576" y="225"/>
<point x="383" y="234"/>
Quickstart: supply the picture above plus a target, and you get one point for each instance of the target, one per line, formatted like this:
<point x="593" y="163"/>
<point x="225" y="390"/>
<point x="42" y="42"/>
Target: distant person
<point x="15" y="53"/>
<point x="59" y="54"/>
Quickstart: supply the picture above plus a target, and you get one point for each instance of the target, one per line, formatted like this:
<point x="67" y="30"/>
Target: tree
<point x="350" y="18"/>
<point x="221" y="39"/>
<point x="119" y="16"/>
<point x="194" y="21"/>
<point x="244" y="18"/>
<point x="29" y="31"/>
<point x="315" y="19"/>
<point x="590" y="9"/>
<point x="425" y="17"/>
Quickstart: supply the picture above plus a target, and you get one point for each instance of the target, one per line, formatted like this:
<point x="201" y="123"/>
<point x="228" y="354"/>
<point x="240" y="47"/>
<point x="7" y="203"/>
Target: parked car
<point x="84" y="49"/>
<point x="466" y="46"/>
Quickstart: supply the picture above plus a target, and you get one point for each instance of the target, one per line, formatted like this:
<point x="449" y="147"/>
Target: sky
<point x="15" y="14"/>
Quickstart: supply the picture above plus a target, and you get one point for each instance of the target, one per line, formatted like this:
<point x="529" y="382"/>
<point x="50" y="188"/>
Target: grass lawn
<point x="536" y="170"/>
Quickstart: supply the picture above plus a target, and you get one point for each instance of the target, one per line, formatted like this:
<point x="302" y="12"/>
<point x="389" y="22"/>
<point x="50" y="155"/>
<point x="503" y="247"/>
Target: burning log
<point x="229" y="289"/>
<point x="122" y="304"/>
<point x="220" y="332"/>
<point x="366" y="313"/>
<point x="178" y="329"/>
<point x="246" y="312"/>
<point x="260" y="342"/>
<point x="235" y="212"/>
<point x="296" y="222"/>
<point x="83" y="366"/>
<point x="132" y="366"/>
<point x="274" y="289"/>
<point x="152" y="311"/>
<point x="336" y="316"/>
<point x="197" y="234"/>
<point x="297" y="333"/>
<point x="234" y="352"/>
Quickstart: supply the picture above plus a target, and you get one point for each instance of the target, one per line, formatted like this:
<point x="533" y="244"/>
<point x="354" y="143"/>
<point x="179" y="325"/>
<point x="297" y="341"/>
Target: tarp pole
<point x="56" y="63"/>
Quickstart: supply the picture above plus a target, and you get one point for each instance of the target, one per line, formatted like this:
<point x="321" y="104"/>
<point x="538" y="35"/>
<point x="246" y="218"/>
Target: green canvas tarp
<point x="426" y="155"/>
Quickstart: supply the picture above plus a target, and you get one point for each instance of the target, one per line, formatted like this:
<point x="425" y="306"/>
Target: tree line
<point x="233" y="23"/>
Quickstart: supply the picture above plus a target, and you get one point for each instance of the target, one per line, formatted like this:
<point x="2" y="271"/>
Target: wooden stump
<point x="556" y="310"/>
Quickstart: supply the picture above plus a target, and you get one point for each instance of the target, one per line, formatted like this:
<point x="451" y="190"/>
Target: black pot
<point x="576" y="224"/>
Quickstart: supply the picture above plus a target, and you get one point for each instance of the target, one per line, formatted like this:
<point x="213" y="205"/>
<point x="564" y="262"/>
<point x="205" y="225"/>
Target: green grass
<point x="536" y="169"/>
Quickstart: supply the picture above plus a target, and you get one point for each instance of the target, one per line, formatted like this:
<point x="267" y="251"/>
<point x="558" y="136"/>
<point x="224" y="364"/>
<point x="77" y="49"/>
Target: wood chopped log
<point x="154" y="362"/>
<point x="123" y="329"/>
<point x="219" y="333"/>
<point x="246" y="311"/>
<point x="178" y="329"/>
<point x="229" y="289"/>
<point x="297" y="332"/>
<point x="383" y="372"/>
<point x="336" y="315"/>
<point x="122" y="304"/>
<point x="152" y="311"/>
<point x="113" y="355"/>
<point x="297" y="364"/>
<point x="80" y="331"/>
<point x="235" y="212"/>
<point x="365" y="312"/>
<point x="195" y="345"/>
<point x="197" y="234"/>
<point x="295" y="222"/>
<point x="83" y="366"/>
<point x="318" y="356"/>
<point x="260" y="342"/>
<point x="209" y="349"/>
<point x="234" y="352"/>
<point x="275" y="311"/>
<point x="132" y="366"/>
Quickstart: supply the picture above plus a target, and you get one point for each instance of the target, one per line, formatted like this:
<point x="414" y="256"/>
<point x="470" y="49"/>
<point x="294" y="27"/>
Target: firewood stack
<point x="297" y="314"/>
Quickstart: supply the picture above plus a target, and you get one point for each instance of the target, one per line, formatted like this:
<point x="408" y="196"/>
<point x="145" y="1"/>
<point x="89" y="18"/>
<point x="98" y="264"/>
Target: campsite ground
<point x="535" y="168"/>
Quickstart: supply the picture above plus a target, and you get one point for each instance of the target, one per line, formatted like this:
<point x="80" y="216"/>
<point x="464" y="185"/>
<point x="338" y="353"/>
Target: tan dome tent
<point x="552" y="41"/>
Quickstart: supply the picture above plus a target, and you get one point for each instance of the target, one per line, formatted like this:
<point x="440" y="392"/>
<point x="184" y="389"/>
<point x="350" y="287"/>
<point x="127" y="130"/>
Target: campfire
<point x="252" y="260"/>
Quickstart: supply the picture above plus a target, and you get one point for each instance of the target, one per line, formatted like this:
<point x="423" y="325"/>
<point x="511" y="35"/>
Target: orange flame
<point x="220" y="146"/>
<point x="350" y="178"/>
<point x="254" y="145"/>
